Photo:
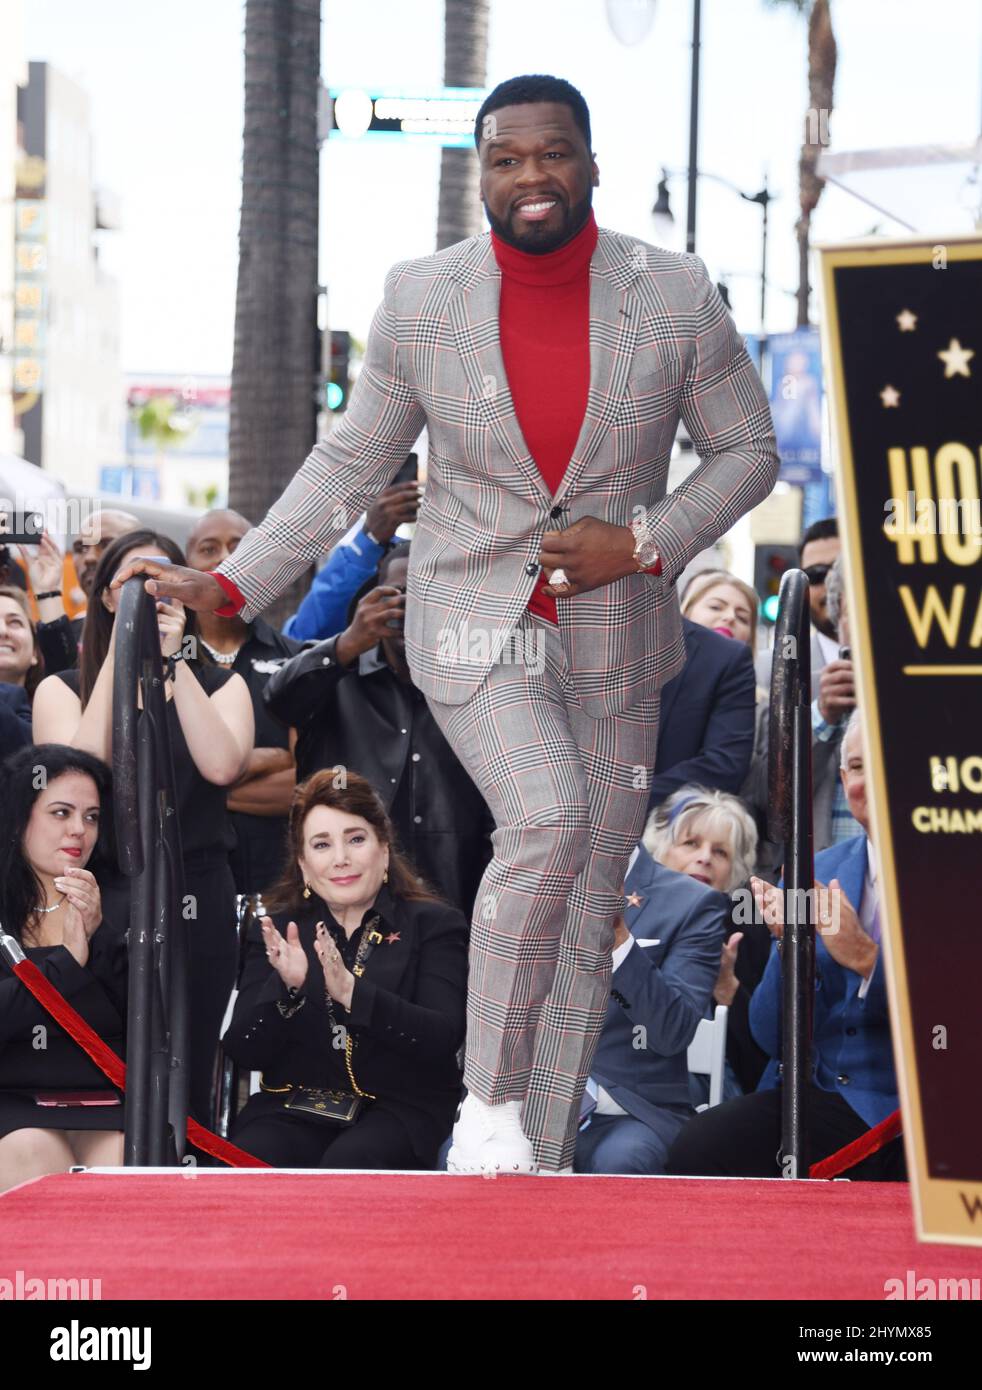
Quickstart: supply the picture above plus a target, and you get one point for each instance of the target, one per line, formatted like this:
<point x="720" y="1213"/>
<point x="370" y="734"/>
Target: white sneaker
<point x="489" y="1139"/>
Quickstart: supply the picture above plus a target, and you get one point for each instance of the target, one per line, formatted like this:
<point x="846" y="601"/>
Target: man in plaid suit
<point x="551" y="362"/>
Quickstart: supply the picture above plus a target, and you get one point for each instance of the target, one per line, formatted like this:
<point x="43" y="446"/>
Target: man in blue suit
<point x="666" y="959"/>
<point x="706" y="725"/>
<point x="15" y="718"/>
<point x="854" y="1085"/>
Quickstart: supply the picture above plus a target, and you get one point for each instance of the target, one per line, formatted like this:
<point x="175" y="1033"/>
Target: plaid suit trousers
<point x="568" y="793"/>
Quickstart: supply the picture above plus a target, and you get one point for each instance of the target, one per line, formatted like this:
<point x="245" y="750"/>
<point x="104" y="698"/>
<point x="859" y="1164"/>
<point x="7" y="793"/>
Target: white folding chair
<point x="707" y="1053"/>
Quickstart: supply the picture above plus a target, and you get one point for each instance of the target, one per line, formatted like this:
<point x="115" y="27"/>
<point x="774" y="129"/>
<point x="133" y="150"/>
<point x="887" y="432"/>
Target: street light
<point x="662" y="208"/>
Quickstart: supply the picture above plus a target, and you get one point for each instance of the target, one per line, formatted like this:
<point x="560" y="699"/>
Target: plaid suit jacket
<point x="662" y="346"/>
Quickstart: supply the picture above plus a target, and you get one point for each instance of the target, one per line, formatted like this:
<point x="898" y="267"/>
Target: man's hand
<point x="391" y="509"/>
<point x="770" y="905"/>
<point x="379" y="607"/>
<point x="842" y="933"/>
<point x="621" y="932"/>
<point x="194" y="588"/>
<point x="836" y="691"/>
<point x="591" y="552"/>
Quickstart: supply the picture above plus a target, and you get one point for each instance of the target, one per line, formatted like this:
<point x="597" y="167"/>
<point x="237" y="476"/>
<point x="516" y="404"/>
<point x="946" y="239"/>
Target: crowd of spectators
<point x="311" y="777"/>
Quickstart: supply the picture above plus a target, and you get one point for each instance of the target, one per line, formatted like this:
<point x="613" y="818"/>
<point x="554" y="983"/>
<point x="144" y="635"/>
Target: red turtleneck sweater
<point x="544" y="326"/>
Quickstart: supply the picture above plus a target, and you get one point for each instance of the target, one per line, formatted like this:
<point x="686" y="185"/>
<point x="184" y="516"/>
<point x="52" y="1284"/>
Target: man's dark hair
<point x="397" y="550"/>
<point x="819" y="531"/>
<point x="518" y="91"/>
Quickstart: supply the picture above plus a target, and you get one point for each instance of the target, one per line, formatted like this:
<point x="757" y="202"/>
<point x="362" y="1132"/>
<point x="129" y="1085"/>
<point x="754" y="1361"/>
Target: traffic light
<point x="770" y="564"/>
<point x="338" y="377"/>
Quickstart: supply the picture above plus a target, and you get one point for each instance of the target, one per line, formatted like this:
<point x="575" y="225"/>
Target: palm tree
<point x="821" y="82"/>
<point x="162" y="422"/>
<point x="465" y="64"/>
<point x="273" y="412"/>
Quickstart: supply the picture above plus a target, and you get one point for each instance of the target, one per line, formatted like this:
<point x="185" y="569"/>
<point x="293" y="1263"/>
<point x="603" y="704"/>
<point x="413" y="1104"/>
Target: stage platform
<point x="214" y="1234"/>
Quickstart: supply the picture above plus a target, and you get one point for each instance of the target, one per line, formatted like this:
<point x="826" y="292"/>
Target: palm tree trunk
<point x="273" y="412"/>
<point x="821" y="83"/>
<point x="465" y="64"/>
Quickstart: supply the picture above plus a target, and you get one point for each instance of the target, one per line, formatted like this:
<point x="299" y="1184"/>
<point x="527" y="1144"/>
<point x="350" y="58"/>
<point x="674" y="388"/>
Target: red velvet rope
<point x="113" y="1067"/>
<point x="869" y="1143"/>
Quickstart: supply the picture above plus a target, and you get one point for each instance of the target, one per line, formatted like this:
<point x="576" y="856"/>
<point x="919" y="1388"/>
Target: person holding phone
<point x="56" y="1107"/>
<point x="355" y="559"/>
<point x="211" y="728"/>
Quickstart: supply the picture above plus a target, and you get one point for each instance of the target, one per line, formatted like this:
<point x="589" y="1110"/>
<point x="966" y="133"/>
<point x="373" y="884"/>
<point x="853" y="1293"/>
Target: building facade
<point x="68" y="385"/>
<point x="13" y="74"/>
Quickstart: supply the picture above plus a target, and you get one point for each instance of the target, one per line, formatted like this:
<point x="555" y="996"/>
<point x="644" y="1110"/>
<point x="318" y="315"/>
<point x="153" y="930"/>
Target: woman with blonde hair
<point x="711" y="836"/>
<point x="719" y="600"/>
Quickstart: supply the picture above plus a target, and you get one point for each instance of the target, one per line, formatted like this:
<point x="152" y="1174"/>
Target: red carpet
<point x="434" y="1236"/>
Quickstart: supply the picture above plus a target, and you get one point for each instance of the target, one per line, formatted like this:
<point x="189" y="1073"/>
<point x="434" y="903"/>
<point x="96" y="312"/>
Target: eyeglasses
<point x="816" y="574"/>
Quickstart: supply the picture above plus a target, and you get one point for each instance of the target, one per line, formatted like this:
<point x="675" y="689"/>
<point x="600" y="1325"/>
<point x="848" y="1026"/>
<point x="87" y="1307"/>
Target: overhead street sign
<point x="445" y="115"/>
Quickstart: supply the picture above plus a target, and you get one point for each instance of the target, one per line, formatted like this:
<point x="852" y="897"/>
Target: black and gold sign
<point x="902" y="329"/>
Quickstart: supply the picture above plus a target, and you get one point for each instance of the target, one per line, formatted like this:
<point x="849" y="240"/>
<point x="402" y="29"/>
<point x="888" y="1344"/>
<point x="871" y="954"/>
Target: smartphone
<point x="408" y="473"/>
<point x="396" y="623"/>
<point x="25" y="528"/>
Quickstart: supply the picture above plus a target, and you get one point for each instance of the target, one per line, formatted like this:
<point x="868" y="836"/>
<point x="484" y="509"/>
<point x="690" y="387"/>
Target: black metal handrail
<point x="790" y="822"/>
<point x="157" y="1034"/>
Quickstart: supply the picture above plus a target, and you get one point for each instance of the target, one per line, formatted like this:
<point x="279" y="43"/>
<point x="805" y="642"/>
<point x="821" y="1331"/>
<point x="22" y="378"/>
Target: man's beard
<point x="540" y="242"/>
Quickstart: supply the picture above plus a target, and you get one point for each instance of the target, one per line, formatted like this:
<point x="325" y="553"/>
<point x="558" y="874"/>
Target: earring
<point x="385" y="876"/>
<point x="306" y="890"/>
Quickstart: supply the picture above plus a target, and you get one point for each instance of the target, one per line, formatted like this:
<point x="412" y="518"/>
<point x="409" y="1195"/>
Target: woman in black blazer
<point x="356" y="985"/>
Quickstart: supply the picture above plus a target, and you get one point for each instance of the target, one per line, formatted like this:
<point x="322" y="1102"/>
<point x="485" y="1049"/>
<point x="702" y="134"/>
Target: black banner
<point x="903" y="338"/>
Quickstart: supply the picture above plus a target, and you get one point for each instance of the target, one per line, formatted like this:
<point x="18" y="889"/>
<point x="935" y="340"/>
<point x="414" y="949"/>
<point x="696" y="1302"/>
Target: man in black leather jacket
<point x="353" y="704"/>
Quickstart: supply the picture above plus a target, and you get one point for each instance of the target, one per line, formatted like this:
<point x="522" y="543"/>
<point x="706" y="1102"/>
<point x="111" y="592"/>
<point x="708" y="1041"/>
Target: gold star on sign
<point x="907" y="321"/>
<point x="890" y="396"/>
<point x="956" y="359"/>
<point x="633" y="900"/>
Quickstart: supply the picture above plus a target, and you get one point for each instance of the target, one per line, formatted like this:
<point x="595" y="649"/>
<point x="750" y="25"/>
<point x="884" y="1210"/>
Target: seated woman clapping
<point x="353" y="996"/>
<point x="56" y="1107"/>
